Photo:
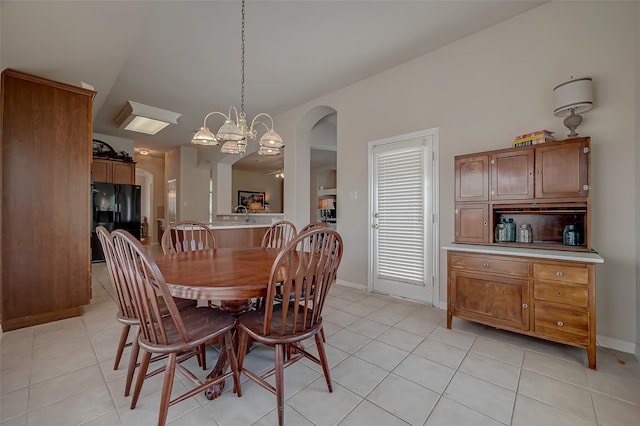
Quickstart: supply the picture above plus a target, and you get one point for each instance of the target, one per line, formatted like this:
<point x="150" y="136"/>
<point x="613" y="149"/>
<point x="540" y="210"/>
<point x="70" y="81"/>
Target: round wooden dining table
<point x="226" y="274"/>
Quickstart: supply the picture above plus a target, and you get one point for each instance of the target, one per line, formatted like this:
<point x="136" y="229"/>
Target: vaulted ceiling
<point x="184" y="56"/>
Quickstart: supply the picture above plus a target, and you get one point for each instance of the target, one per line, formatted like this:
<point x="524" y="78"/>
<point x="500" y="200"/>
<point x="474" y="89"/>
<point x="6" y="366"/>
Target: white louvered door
<point x="402" y="219"/>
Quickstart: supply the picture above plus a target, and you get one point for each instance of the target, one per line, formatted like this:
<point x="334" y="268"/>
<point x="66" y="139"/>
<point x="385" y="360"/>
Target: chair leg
<point x="233" y="361"/>
<point x="279" y="373"/>
<point x="202" y="357"/>
<point x="167" y="385"/>
<point x="124" y="333"/>
<point x="142" y="372"/>
<point x="323" y="360"/>
<point x="242" y="348"/>
<point x="133" y="360"/>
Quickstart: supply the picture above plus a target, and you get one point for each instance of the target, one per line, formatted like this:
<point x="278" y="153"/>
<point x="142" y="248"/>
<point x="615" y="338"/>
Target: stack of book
<point x="540" y="136"/>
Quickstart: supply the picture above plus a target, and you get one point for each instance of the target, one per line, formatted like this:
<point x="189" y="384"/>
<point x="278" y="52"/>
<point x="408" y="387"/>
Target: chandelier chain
<point x="236" y="133"/>
<point x="242" y="46"/>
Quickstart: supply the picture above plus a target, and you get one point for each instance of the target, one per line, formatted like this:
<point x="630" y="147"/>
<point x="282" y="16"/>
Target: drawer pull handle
<point x="560" y="324"/>
<point x="559" y="273"/>
<point x="525" y="306"/>
<point x="485" y="264"/>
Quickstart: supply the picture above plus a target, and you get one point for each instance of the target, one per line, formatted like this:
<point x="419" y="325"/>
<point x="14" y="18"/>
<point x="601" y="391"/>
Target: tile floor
<point x="393" y="362"/>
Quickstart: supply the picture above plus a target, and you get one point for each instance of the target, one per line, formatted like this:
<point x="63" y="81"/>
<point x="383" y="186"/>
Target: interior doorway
<point x="145" y="180"/>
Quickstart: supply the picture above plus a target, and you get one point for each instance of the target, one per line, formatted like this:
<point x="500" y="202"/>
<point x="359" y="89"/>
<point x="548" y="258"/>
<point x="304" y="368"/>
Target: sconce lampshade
<point x="255" y="206"/>
<point x="572" y="98"/>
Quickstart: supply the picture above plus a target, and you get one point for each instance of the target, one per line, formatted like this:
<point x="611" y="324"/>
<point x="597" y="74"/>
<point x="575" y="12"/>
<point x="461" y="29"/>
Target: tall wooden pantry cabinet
<point x="46" y="131"/>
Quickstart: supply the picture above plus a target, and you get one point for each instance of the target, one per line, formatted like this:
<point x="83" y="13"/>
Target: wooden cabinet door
<point x="562" y="170"/>
<point x="123" y="173"/>
<point x="101" y="170"/>
<point x="490" y="299"/>
<point x="472" y="178"/>
<point x="472" y="223"/>
<point x="45" y="162"/>
<point x="512" y="174"/>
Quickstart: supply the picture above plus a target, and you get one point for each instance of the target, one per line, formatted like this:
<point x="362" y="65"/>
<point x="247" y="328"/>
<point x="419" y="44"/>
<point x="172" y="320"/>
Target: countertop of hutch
<point x="578" y="256"/>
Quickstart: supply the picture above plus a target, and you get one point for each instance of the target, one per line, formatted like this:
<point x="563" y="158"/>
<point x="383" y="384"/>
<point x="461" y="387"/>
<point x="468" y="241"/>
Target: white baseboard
<point x="351" y="284"/>
<point x="617" y="344"/>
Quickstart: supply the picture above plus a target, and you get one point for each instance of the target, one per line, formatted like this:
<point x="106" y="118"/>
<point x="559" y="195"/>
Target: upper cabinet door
<point x="472" y="178"/>
<point x="562" y="170"/>
<point x="102" y="170"/>
<point x="512" y="174"/>
<point x="124" y="173"/>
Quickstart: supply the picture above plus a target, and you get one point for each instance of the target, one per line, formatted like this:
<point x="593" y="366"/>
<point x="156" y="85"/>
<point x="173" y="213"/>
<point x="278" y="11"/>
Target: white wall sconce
<point x="146" y="119"/>
<point x="572" y="98"/>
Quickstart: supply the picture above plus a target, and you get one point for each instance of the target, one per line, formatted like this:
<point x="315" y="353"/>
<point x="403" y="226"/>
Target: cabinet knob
<point x="485" y="264"/>
<point x="560" y="324"/>
<point x="484" y="223"/>
<point x="559" y="273"/>
<point x="525" y="306"/>
<point x="559" y="293"/>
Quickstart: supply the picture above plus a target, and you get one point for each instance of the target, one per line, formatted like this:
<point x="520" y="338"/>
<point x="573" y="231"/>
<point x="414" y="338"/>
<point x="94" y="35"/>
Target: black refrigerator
<point x="114" y="206"/>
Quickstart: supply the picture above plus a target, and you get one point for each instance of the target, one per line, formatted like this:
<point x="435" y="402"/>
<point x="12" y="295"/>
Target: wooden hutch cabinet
<point x="46" y="154"/>
<point x="544" y="288"/>
<point x="545" y="186"/>
<point x="113" y="171"/>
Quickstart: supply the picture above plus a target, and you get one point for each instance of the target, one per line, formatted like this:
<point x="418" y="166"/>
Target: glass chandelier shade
<point x="234" y="132"/>
<point x="204" y="137"/>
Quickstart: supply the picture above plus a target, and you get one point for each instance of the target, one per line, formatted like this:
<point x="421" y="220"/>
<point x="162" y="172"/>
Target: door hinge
<point x="586" y="187"/>
<point x="586" y="149"/>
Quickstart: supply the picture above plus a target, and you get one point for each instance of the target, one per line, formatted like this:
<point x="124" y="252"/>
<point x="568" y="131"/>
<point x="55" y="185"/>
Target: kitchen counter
<point x="235" y="234"/>
<point x="578" y="256"/>
<point x="227" y="225"/>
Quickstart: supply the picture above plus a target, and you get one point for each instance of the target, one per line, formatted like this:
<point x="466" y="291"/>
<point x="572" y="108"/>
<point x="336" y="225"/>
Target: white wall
<point x="192" y="197"/>
<point x="637" y="170"/>
<point x="480" y="92"/>
<point x="243" y="180"/>
<point x="118" y="144"/>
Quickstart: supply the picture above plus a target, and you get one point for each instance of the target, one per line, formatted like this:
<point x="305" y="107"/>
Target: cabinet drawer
<point x="568" y="294"/>
<point x="490" y="264"/>
<point x="563" y="273"/>
<point x="565" y="324"/>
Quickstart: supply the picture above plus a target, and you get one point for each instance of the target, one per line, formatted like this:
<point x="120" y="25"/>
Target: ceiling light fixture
<point x="141" y="118"/>
<point x="234" y="132"/>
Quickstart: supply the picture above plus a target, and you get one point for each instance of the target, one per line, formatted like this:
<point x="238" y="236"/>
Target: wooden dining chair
<point x="126" y="315"/>
<point x="313" y="225"/>
<point x="187" y="235"/>
<point x="303" y="277"/>
<point x="279" y="234"/>
<point x="178" y="335"/>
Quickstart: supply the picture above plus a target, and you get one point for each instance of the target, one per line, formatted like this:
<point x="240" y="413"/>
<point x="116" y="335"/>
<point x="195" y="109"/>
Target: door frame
<point x="434" y="133"/>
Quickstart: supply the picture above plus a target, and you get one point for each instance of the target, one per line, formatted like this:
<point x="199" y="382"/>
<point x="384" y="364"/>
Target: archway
<point x="316" y="140"/>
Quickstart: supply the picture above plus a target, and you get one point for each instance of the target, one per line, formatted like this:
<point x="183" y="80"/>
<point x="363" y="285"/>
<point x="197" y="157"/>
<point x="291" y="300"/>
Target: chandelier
<point x="234" y="132"/>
